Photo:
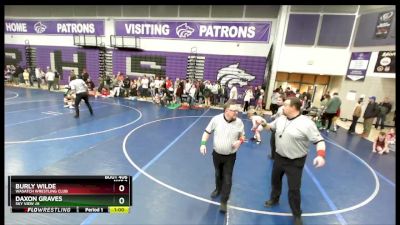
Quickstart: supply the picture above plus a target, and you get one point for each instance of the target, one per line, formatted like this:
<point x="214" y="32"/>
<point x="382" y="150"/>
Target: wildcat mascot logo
<point x="233" y="75"/>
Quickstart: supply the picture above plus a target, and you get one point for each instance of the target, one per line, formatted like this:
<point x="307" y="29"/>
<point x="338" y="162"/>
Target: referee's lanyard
<point x="284" y="128"/>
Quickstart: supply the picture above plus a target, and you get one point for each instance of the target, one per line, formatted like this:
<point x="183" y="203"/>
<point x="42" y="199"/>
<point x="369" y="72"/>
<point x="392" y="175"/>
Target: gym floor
<point x="172" y="181"/>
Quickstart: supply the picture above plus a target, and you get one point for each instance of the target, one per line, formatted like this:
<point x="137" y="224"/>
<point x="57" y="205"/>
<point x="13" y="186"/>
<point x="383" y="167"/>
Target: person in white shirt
<point x="259" y="105"/>
<point x="50" y="79"/>
<point x="192" y="95"/>
<point x="248" y="95"/>
<point x="145" y="86"/>
<point x="157" y="84"/>
<point x="233" y="95"/>
<point x="81" y="90"/>
<point x="38" y="75"/>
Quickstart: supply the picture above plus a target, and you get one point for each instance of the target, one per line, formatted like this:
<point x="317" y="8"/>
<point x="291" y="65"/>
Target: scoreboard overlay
<point x="70" y="194"/>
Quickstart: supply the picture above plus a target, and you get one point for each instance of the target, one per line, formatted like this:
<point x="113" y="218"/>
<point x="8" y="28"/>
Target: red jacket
<point x="338" y="112"/>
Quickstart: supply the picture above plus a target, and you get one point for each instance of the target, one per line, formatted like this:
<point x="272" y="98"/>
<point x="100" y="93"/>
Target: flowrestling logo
<point x="184" y="31"/>
<point x="39" y="27"/>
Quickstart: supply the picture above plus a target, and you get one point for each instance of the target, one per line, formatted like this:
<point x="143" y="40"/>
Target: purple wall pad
<point x="63" y="58"/>
<point x="171" y="64"/>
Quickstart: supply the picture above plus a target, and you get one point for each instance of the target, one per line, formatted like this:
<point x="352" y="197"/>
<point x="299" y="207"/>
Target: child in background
<point x="391" y="139"/>
<point x="105" y="93"/>
<point x="257" y="127"/>
<point x="259" y="103"/>
<point x="69" y="98"/>
<point x="158" y="96"/>
<point x="380" y="144"/>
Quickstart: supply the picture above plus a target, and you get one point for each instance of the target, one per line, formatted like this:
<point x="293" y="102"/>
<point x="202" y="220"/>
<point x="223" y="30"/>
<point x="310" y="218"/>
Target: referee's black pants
<point x="223" y="165"/>
<point x="272" y="144"/>
<point x="85" y="97"/>
<point x="293" y="168"/>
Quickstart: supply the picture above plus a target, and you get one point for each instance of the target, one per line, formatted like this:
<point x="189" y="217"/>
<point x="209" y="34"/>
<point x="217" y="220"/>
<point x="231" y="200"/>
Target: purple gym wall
<point x="64" y="59"/>
<point x="170" y="64"/>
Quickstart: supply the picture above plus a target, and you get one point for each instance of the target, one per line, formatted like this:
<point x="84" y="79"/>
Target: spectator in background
<point x="18" y="74"/>
<point x="215" y="97"/>
<point x="105" y="92"/>
<point x="32" y="76"/>
<point x="145" y="87"/>
<point x="305" y="104"/>
<point x="380" y="145"/>
<point x="50" y="76"/>
<point x="225" y="96"/>
<point x="248" y="95"/>
<point x="56" y="80"/>
<point x="179" y="91"/>
<point x="391" y="139"/>
<point x="369" y="115"/>
<point x="233" y="95"/>
<point x="324" y="103"/>
<point x="384" y="108"/>
<point x="126" y="86"/>
<point x="72" y="76"/>
<point x="26" y="77"/>
<point x="331" y="109"/>
<point x="84" y="75"/>
<point x="192" y="96"/>
<point x="117" y="86"/>
<point x="274" y="98"/>
<point x="298" y="95"/>
<point x="256" y="93"/>
<point x="260" y="100"/>
<point x="165" y="97"/>
<point x="334" y="120"/>
<point x="91" y="87"/>
<point x="152" y="88"/>
<point x="157" y="84"/>
<point x="38" y="75"/>
<point x="139" y="87"/>
<point x="356" y="116"/>
<point x="207" y="94"/>
<point x="133" y="88"/>
<point x="168" y="84"/>
<point x="8" y="74"/>
<point x="289" y="93"/>
<point x="324" y="95"/>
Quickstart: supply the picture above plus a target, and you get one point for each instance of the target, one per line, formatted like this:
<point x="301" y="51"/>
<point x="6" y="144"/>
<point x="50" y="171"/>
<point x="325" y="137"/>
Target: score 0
<point x="120" y="189"/>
